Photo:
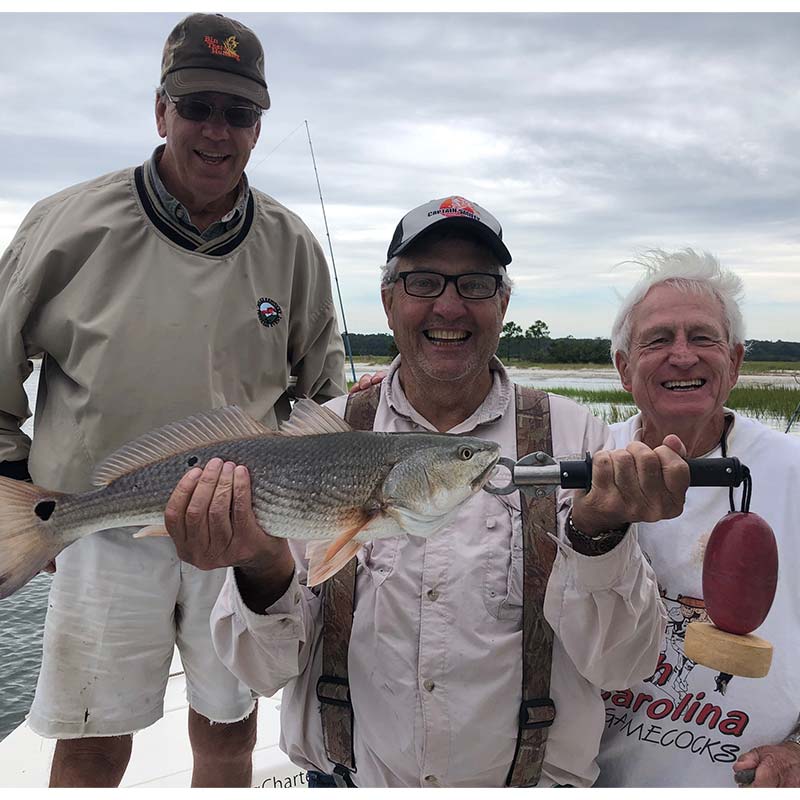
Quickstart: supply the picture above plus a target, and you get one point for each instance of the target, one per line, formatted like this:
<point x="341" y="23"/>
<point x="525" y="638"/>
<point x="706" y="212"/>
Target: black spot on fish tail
<point x="192" y="460"/>
<point x="44" y="509"/>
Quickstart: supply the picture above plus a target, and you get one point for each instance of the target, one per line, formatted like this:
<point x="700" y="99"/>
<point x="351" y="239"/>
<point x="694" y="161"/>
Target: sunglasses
<point x="196" y="110"/>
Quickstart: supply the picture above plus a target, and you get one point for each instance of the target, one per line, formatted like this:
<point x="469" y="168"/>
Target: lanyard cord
<point x="747" y="482"/>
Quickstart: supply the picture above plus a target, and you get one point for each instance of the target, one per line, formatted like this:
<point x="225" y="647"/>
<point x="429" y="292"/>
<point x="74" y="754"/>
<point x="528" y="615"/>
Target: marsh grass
<point x="761" y="401"/>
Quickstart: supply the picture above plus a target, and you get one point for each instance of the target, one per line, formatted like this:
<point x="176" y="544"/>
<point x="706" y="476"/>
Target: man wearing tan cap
<point x="154" y="293"/>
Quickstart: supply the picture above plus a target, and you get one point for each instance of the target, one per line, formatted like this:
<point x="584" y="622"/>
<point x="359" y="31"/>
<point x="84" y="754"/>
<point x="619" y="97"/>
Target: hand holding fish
<point x="636" y="484"/>
<point x="211" y="521"/>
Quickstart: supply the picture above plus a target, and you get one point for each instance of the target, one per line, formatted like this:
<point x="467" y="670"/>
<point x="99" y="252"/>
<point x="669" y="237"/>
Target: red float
<point x="740" y="572"/>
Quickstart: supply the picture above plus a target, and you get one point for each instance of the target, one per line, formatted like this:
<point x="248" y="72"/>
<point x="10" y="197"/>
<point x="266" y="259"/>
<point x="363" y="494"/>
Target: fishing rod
<point x="346" y="335"/>
<point x="539" y="474"/>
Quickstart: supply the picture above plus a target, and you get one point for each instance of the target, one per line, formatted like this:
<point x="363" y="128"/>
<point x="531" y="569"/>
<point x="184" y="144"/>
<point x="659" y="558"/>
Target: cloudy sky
<point x="590" y="137"/>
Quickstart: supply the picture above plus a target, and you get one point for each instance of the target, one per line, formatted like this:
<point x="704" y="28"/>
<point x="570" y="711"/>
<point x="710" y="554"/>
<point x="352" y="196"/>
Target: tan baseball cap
<point x="214" y="53"/>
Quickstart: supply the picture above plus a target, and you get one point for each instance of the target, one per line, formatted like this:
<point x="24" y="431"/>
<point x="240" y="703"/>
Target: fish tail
<point x="27" y="541"/>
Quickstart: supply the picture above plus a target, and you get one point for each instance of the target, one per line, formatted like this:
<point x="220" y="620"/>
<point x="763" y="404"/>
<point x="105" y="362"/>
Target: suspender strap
<point x="537" y="710"/>
<point x="338" y="599"/>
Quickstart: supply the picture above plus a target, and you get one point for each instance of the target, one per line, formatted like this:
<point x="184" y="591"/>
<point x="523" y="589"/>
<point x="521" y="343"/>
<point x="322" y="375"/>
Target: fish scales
<point x="315" y="478"/>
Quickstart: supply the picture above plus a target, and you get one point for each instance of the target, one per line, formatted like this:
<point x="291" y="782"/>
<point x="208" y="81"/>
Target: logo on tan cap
<point x="227" y="48"/>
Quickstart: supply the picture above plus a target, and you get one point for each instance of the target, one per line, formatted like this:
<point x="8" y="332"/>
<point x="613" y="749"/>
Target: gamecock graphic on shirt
<point x="672" y="672"/>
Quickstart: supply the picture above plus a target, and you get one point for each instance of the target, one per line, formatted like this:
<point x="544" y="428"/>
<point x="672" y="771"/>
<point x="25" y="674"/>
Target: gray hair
<point x="691" y="272"/>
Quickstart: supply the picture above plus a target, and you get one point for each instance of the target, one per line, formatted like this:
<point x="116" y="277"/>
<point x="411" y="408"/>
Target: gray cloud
<point x="587" y="135"/>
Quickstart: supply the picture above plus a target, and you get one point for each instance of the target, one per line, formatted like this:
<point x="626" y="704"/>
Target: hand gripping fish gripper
<point x="539" y="474"/>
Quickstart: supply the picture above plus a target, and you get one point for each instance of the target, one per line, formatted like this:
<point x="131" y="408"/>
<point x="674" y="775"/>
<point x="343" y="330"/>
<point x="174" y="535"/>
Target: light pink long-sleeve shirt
<point x="435" y="654"/>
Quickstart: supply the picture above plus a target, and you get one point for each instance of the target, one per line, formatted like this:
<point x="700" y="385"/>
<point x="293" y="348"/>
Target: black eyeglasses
<point x="469" y="285"/>
<point x="196" y="110"/>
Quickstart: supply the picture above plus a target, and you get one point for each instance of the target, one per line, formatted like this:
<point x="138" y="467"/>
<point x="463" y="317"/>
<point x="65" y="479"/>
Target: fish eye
<point x="465" y="453"/>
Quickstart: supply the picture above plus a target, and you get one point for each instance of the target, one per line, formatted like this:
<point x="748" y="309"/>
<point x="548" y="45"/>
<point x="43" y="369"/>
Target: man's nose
<point x="449" y="303"/>
<point x="216" y="127"/>
<point x="681" y="354"/>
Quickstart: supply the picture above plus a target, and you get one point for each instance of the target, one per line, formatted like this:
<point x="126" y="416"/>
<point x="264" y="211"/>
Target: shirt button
<point x="432" y="594"/>
<point x="428" y="685"/>
<point x="431" y="779"/>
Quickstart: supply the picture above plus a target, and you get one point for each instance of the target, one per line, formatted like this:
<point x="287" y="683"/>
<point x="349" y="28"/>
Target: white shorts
<point x="117" y="608"/>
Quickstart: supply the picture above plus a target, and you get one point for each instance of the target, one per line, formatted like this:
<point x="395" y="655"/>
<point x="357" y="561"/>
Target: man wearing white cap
<point x="154" y="293"/>
<point x="474" y="657"/>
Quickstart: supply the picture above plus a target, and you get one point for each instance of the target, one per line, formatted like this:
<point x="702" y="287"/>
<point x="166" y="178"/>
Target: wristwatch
<point x="597" y="545"/>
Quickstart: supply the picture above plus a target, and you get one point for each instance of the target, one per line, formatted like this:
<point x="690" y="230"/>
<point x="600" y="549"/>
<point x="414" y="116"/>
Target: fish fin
<point x="341" y="541"/>
<point x="150" y="530"/>
<point x="320" y="567"/>
<point x="309" y="418"/>
<point x="200" y="430"/>
<point x="27" y="541"/>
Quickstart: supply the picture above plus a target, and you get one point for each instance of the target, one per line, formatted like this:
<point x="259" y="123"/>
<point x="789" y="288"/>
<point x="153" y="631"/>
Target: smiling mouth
<point x="446" y="338"/>
<point x="684" y="386"/>
<point x="211" y="158"/>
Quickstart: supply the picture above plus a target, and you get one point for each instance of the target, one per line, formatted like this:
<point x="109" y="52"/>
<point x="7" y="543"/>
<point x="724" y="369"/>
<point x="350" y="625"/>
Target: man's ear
<point x="622" y="365"/>
<point x="387" y="298"/>
<point x="737" y="357"/>
<point x="161" y="114"/>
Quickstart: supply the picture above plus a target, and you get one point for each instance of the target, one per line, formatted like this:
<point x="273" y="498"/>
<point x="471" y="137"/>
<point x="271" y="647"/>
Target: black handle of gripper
<point x="576" y="474"/>
<point x="716" y="471"/>
<point x="702" y="472"/>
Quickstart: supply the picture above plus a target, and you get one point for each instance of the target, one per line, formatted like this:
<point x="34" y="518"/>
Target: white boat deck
<point x="161" y="753"/>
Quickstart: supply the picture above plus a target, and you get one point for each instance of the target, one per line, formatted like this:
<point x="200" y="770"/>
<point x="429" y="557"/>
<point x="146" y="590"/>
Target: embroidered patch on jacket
<point x="269" y="312"/>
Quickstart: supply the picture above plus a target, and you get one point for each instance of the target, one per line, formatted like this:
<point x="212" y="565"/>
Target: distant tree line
<point x="536" y="344"/>
<point x="758" y="350"/>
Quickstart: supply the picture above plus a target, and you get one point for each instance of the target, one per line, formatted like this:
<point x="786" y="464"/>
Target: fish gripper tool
<point x="539" y="474"/>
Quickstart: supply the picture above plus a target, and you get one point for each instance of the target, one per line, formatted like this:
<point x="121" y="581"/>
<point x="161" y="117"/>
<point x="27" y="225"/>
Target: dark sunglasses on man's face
<point x="196" y="110"/>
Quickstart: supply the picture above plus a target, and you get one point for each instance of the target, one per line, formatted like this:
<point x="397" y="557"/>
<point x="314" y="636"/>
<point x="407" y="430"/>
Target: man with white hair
<point x="678" y="345"/>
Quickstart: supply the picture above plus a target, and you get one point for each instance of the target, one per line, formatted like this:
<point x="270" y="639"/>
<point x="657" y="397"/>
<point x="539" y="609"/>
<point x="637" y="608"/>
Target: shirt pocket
<point x="502" y="583"/>
<point x="379" y="558"/>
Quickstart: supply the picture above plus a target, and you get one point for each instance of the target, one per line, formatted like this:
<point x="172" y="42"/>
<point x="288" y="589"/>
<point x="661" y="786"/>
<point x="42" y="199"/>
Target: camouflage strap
<point x="537" y="710"/>
<point x="338" y="600"/>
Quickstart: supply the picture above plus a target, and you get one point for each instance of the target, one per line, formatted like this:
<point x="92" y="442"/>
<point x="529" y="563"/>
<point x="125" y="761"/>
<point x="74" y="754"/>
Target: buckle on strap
<point x="341" y="777"/>
<point x="537" y="713"/>
<point x="334" y="691"/>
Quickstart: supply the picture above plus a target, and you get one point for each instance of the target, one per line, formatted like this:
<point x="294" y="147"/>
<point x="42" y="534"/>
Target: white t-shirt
<point x="686" y="725"/>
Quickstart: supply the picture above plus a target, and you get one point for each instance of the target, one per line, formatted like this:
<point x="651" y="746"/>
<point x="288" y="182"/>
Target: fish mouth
<point x="477" y="484"/>
<point x="445" y="337"/>
<point x="684" y="385"/>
